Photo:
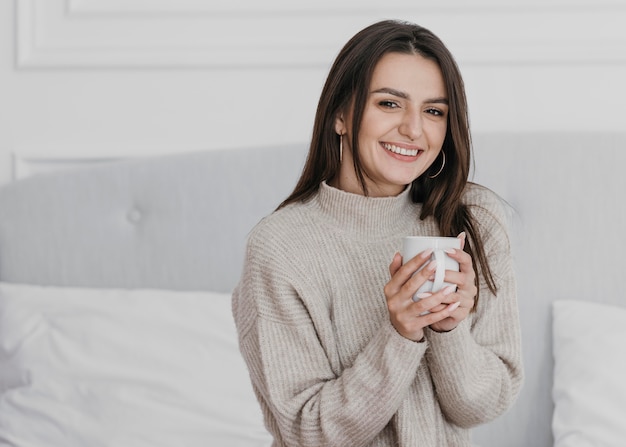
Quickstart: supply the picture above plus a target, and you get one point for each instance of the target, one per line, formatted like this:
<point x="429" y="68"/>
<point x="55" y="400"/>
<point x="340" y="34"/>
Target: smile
<point x="400" y="150"/>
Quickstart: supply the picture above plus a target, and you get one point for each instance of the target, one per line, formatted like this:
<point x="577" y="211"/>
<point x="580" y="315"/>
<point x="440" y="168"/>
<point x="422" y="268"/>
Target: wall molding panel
<point x="27" y="166"/>
<point x="84" y="34"/>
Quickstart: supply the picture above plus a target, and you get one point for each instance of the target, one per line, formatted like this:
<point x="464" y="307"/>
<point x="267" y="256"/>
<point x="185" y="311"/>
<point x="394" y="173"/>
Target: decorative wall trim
<point x="331" y="7"/>
<point x="26" y="166"/>
<point x="272" y="34"/>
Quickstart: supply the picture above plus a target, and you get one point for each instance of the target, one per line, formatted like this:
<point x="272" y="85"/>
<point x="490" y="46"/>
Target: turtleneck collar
<point x="367" y="216"/>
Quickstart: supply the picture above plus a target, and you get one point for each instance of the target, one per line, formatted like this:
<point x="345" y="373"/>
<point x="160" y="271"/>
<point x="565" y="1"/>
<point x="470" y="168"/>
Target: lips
<point x="401" y="150"/>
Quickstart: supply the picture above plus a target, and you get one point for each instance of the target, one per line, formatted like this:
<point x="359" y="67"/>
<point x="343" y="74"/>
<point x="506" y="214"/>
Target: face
<point x="403" y="127"/>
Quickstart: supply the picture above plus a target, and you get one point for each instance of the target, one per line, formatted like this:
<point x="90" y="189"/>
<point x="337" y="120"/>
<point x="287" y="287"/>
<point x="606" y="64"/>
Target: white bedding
<point x="589" y="374"/>
<point x="99" y="367"/>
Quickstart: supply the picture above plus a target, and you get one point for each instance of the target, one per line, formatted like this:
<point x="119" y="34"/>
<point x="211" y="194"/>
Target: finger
<point x="430" y="302"/>
<point x="435" y="317"/>
<point x="446" y="295"/>
<point x="465" y="277"/>
<point x="453" y="306"/>
<point x="396" y="263"/>
<point x="466" y="298"/>
<point x="417" y="279"/>
<point x="404" y="280"/>
<point x="437" y="308"/>
<point x="466" y="287"/>
<point x="462" y="257"/>
<point x="408" y="269"/>
<point x="463" y="281"/>
<point x="462" y="236"/>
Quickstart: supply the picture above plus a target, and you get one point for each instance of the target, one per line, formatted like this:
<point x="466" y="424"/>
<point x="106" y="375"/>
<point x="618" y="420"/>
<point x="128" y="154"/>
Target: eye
<point x="388" y="104"/>
<point x="435" y="112"/>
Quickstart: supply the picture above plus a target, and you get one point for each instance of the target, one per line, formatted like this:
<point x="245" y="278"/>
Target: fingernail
<point x="448" y="290"/>
<point x="452" y="307"/>
<point x="462" y="235"/>
<point x="426" y="253"/>
<point x="450" y="251"/>
<point x="423" y="295"/>
<point x="432" y="266"/>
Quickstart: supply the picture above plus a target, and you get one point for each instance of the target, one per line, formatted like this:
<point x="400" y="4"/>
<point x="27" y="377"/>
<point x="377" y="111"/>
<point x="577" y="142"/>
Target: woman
<point x="339" y="354"/>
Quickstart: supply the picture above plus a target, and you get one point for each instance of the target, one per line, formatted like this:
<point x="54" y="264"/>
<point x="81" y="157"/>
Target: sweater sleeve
<point x="477" y="367"/>
<point x="306" y="402"/>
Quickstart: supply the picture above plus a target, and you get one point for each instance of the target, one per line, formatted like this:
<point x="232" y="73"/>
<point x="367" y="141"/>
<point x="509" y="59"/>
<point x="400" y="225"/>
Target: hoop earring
<point x="442" y="165"/>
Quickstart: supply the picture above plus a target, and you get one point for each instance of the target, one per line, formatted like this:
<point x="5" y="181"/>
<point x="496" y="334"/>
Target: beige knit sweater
<point x="326" y="364"/>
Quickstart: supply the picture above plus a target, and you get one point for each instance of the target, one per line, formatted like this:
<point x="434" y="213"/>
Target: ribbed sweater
<point x="327" y="366"/>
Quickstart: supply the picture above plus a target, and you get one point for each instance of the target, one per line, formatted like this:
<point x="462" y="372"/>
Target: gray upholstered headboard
<point x="176" y="222"/>
<point x="181" y="221"/>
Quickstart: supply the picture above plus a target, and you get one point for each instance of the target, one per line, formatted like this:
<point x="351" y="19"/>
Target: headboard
<point x="180" y="222"/>
<point x="175" y="222"/>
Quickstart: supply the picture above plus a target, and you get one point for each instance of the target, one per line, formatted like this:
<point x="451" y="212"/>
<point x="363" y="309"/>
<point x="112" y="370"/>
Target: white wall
<point x="90" y="78"/>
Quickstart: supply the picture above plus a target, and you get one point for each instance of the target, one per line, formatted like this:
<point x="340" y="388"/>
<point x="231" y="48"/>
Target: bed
<point x="115" y="281"/>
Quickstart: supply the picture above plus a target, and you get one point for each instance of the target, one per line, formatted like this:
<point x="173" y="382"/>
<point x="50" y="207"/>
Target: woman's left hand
<point x="465" y="279"/>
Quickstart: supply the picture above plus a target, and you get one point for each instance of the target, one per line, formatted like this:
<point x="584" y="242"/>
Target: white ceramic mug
<point x="413" y="245"/>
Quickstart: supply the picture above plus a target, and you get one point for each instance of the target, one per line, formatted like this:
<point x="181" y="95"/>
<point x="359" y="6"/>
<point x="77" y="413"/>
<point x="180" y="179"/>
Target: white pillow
<point x="93" y="367"/>
<point x="589" y="374"/>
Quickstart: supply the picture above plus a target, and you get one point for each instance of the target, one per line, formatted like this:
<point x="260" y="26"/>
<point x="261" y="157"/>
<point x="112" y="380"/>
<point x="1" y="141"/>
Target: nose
<point x="411" y="125"/>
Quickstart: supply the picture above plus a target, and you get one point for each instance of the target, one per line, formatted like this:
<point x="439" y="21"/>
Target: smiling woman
<point x="338" y="351"/>
<point x="403" y="128"/>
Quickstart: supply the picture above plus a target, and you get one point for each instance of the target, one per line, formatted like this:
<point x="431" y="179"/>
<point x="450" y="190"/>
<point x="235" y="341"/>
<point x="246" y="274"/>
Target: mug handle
<point x="440" y="273"/>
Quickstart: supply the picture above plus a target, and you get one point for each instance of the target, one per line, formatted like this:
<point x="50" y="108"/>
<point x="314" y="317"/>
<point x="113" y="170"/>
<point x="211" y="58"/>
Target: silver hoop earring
<point x="340" y="148"/>
<point x="442" y="165"/>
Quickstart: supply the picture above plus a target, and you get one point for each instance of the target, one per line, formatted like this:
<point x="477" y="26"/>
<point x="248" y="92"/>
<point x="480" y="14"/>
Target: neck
<point x="366" y="216"/>
<point x="347" y="181"/>
<point x="350" y="183"/>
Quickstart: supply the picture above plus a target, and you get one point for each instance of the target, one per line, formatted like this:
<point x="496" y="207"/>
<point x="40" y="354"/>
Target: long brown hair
<point x="347" y="85"/>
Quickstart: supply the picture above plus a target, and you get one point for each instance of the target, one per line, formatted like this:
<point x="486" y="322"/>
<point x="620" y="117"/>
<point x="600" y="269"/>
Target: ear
<point x="340" y="125"/>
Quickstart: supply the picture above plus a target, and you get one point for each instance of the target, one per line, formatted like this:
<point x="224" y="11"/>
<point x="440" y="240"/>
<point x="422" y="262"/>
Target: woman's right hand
<point x="410" y="318"/>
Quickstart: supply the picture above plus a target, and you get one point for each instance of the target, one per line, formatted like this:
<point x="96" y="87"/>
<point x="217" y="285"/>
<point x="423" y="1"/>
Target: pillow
<point x="589" y="389"/>
<point x="98" y="367"/>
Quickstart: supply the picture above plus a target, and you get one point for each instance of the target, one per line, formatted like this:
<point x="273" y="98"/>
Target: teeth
<point x="400" y="150"/>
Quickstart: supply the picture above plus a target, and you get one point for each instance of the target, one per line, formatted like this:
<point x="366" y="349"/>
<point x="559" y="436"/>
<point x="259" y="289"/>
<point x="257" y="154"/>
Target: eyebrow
<point x="404" y="95"/>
